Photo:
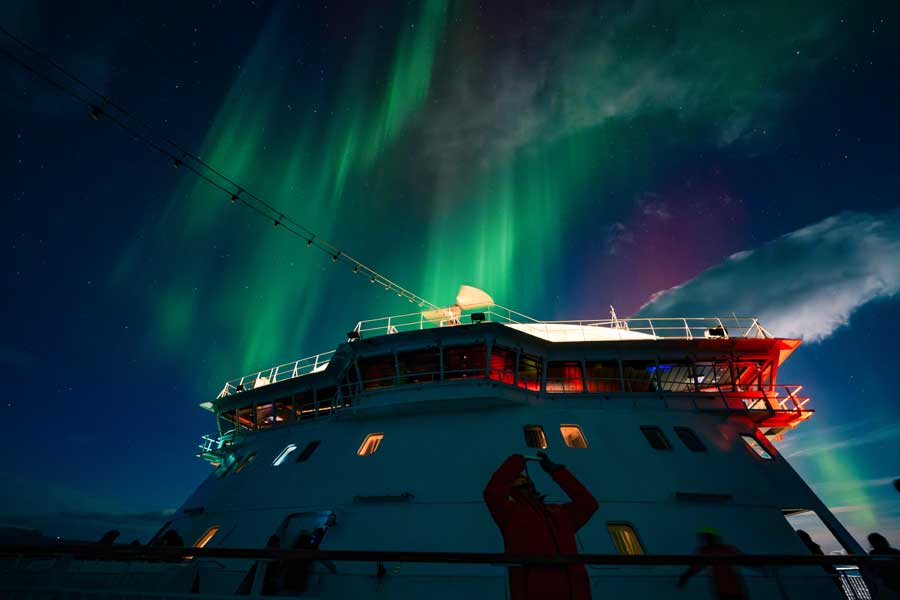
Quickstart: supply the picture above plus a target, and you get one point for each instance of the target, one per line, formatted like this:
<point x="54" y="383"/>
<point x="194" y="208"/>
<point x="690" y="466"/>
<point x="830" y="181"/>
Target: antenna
<point x="180" y="158"/>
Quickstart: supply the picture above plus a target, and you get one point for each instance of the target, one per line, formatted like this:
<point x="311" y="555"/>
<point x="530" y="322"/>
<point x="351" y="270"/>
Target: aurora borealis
<point x="561" y="156"/>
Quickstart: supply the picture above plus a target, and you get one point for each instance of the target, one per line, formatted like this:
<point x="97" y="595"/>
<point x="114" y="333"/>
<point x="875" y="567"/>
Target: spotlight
<point x="477" y="317"/>
<point x="177" y="163"/>
<point x="95" y="112"/>
<point x="334" y="257"/>
<point x="234" y="198"/>
<point x="308" y="243"/>
<point x="352" y="336"/>
<point x="276" y="223"/>
<point x="356" y="269"/>
<point x="372" y="280"/>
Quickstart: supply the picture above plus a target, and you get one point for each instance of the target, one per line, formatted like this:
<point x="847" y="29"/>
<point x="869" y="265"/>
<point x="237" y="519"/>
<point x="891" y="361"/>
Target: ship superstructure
<point x="386" y="443"/>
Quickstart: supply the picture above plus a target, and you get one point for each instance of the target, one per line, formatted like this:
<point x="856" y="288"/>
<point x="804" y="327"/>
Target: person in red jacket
<point x="529" y="526"/>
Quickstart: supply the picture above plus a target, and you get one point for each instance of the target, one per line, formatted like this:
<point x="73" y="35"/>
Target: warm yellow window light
<point x="534" y="436"/>
<point x="573" y="436"/>
<point x="625" y="539"/>
<point x="207" y="535"/>
<point x="370" y="444"/>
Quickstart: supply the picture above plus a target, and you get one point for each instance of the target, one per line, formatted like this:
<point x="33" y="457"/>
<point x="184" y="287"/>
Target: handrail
<point x="104" y="552"/>
<point x="297" y="368"/>
<point x="656" y="327"/>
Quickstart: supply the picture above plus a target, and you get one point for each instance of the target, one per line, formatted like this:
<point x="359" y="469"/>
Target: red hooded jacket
<point x="529" y="527"/>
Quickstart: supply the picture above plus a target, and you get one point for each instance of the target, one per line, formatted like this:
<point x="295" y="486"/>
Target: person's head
<point x="524" y="486"/>
<point x="708" y="536"/>
<point x="878" y="541"/>
<point x="805" y="537"/>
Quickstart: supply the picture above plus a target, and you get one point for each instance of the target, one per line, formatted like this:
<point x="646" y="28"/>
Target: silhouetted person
<point x="274" y="569"/>
<point x="816" y="550"/>
<point x="889" y="574"/>
<point x="727" y="582"/>
<point x="530" y="526"/>
<point x="109" y="537"/>
<point x="171" y="539"/>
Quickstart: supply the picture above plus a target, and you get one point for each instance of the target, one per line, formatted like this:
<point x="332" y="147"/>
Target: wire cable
<point x="104" y="108"/>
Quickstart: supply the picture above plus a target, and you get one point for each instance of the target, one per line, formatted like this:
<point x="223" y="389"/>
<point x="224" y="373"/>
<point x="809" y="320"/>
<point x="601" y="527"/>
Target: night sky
<point x="666" y="158"/>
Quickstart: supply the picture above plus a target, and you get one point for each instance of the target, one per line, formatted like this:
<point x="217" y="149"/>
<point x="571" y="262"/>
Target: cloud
<point x="804" y="284"/>
<point x="878" y="434"/>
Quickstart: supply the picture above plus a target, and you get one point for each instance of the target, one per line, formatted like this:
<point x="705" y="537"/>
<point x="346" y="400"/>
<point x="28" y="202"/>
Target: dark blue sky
<point x="564" y="158"/>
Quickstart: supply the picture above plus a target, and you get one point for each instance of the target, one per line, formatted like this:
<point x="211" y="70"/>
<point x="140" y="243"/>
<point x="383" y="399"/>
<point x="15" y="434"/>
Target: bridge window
<point x="282" y="456"/>
<point x="690" y="439"/>
<point x="203" y="540"/>
<point x="639" y="375"/>
<point x="283" y="411"/>
<point x="326" y="400"/>
<point x="656" y="438"/>
<point x="464" y="362"/>
<point x="243" y="464"/>
<point x="713" y="375"/>
<point x="377" y="371"/>
<point x="503" y="364"/>
<point x="625" y="539"/>
<point x="308" y="451"/>
<point x="676" y="375"/>
<point x="530" y="368"/>
<point x="756" y="447"/>
<point x="564" y="377"/>
<point x="264" y="416"/>
<point x="420" y="366"/>
<point x="370" y="444"/>
<point x="573" y="436"/>
<point x="603" y="376"/>
<point x="534" y="436"/>
<point x="304" y="405"/>
<point x="246" y="418"/>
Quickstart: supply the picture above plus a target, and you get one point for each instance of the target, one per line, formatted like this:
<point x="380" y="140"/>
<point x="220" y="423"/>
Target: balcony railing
<point x="658" y="327"/>
<point x="298" y="368"/>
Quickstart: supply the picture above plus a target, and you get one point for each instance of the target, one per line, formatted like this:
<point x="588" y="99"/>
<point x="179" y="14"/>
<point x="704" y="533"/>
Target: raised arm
<point x="583" y="504"/>
<point x="499" y="488"/>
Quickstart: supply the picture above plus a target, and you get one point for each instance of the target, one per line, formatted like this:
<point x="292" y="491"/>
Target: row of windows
<point x="624" y="538"/>
<point x="510" y="367"/>
<point x="572" y="436"/>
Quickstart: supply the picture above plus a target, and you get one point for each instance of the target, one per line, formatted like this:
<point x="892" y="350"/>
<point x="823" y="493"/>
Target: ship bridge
<point x="727" y="365"/>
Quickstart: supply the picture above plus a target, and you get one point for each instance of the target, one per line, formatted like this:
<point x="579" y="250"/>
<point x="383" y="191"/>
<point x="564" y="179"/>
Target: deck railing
<point x="659" y="327"/>
<point x="686" y="328"/>
<point x="303" y="366"/>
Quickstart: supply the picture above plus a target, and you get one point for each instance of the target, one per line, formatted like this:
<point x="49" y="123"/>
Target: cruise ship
<point x="384" y="446"/>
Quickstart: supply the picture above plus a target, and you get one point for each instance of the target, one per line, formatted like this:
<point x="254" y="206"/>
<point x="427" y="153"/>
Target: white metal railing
<point x="658" y="327"/>
<point x="298" y="368"/>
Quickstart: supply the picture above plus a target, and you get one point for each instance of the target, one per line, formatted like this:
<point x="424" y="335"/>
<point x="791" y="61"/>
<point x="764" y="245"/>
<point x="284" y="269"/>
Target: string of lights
<point x="101" y="107"/>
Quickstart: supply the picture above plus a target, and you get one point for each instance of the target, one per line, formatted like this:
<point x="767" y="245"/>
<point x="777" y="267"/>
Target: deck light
<point x="352" y="336"/>
<point x="356" y="269"/>
<point x="478" y="317"/>
<point x="334" y="257"/>
<point x="95" y="112"/>
<point x="308" y="243"/>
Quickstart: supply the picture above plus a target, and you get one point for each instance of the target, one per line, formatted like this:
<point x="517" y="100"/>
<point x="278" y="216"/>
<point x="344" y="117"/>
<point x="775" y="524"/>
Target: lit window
<point x="753" y="444"/>
<point x="625" y="539"/>
<point x="603" y="376"/>
<point x="534" y="436"/>
<point x="690" y="439"/>
<point x="573" y="436"/>
<point x="370" y="444"/>
<point x="656" y="438"/>
<point x="420" y="366"/>
<point x="378" y="371"/>
<point x="282" y="456"/>
<point x="307" y="452"/>
<point x="676" y="375"/>
<point x="530" y="368"/>
<point x="244" y="463"/>
<point x="503" y="364"/>
<point x="203" y="540"/>
<point x="463" y="362"/>
<point x="564" y="377"/>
